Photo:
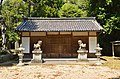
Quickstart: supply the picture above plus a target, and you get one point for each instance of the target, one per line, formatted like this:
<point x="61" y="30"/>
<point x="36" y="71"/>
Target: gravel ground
<point x="58" y="72"/>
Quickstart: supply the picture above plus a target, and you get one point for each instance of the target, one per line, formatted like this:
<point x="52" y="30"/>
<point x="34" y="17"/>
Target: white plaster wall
<point x="26" y="44"/>
<point x="92" y="44"/>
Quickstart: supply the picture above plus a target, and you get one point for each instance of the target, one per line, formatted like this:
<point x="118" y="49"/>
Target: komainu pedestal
<point x="82" y="55"/>
<point x="37" y="56"/>
<point x="37" y="53"/>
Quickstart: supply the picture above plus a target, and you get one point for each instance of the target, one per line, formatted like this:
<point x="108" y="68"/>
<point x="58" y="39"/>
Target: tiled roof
<point x="60" y="24"/>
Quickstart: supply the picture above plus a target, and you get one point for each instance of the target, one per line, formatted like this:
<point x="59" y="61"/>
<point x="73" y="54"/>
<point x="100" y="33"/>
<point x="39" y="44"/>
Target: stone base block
<point x="36" y="61"/>
<point x="79" y="60"/>
<point x="37" y="57"/>
<point x="98" y="63"/>
<point x="82" y="56"/>
<point x="20" y="64"/>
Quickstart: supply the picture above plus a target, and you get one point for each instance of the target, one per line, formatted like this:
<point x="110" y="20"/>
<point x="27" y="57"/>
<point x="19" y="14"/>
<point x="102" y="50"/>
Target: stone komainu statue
<point x="81" y="45"/>
<point x="38" y="45"/>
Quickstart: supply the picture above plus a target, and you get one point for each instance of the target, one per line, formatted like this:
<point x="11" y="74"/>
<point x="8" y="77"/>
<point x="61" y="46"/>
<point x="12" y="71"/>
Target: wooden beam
<point x="116" y="44"/>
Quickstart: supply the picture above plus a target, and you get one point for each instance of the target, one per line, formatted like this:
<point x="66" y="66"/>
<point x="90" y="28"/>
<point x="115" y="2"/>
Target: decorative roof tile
<point x="60" y="24"/>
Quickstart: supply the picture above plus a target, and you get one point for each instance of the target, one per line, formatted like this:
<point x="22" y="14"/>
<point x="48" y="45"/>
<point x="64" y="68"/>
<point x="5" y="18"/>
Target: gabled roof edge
<point x="101" y="28"/>
<point x="77" y="18"/>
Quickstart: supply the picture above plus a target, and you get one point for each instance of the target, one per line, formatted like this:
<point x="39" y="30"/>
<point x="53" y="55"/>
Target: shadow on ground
<point x="115" y="77"/>
<point x="103" y="59"/>
<point x="9" y="63"/>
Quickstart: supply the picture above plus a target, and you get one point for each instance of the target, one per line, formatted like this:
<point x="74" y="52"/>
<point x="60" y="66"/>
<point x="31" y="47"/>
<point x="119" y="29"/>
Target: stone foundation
<point x="37" y="56"/>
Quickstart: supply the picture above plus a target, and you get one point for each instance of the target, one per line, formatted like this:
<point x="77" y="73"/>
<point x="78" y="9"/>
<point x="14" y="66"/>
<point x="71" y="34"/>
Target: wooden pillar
<point x="113" y="53"/>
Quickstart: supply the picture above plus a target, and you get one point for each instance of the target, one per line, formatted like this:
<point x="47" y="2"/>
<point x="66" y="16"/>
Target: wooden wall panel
<point x="38" y="33"/>
<point x="52" y="33"/>
<point x="80" y="33"/>
<point x="92" y="34"/>
<point x="59" y="46"/>
<point x="25" y="34"/>
<point x="65" y="33"/>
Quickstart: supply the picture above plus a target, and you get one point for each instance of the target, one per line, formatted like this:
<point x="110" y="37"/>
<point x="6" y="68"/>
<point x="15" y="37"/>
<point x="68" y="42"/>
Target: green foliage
<point x="107" y="13"/>
<point x="46" y="8"/>
<point x="74" y="8"/>
<point x="108" y="2"/>
<point x="6" y="55"/>
<point x="12" y="12"/>
<point x="83" y="4"/>
<point x="53" y="8"/>
<point x="13" y="36"/>
<point x="70" y="10"/>
<point x="112" y="23"/>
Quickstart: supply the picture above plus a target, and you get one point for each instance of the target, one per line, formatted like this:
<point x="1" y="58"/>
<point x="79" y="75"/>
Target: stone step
<point x="59" y="59"/>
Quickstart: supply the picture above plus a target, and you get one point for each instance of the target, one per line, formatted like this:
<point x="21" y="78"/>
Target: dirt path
<point x="58" y="72"/>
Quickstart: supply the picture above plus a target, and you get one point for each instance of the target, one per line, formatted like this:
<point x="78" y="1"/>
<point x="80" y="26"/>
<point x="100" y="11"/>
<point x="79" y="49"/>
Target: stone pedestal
<point x="20" y="54"/>
<point x="20" y="59"/>
<point x="98" y="59"/>
<point x="37" y="56"/>
<point x="82" y="55"/>
<point x="98" y="54"/>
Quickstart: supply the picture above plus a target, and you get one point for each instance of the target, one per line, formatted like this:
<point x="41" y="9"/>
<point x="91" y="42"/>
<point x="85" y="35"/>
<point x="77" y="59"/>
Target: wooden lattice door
<point x="58" y="46"/>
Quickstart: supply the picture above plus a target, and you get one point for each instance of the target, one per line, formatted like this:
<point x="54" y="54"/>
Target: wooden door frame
<point x="59" y="36"/>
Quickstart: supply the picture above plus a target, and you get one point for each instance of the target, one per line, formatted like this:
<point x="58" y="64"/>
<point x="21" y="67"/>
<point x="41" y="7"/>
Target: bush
<point x="5" y="56"/>
<point x="4" y="52"/>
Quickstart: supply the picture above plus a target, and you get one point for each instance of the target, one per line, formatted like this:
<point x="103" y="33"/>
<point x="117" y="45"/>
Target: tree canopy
<point x="70" y="10"/>
<point x="46" y="8"/>
<point x="12" y="12"/>
<point x="107" y="13"/>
